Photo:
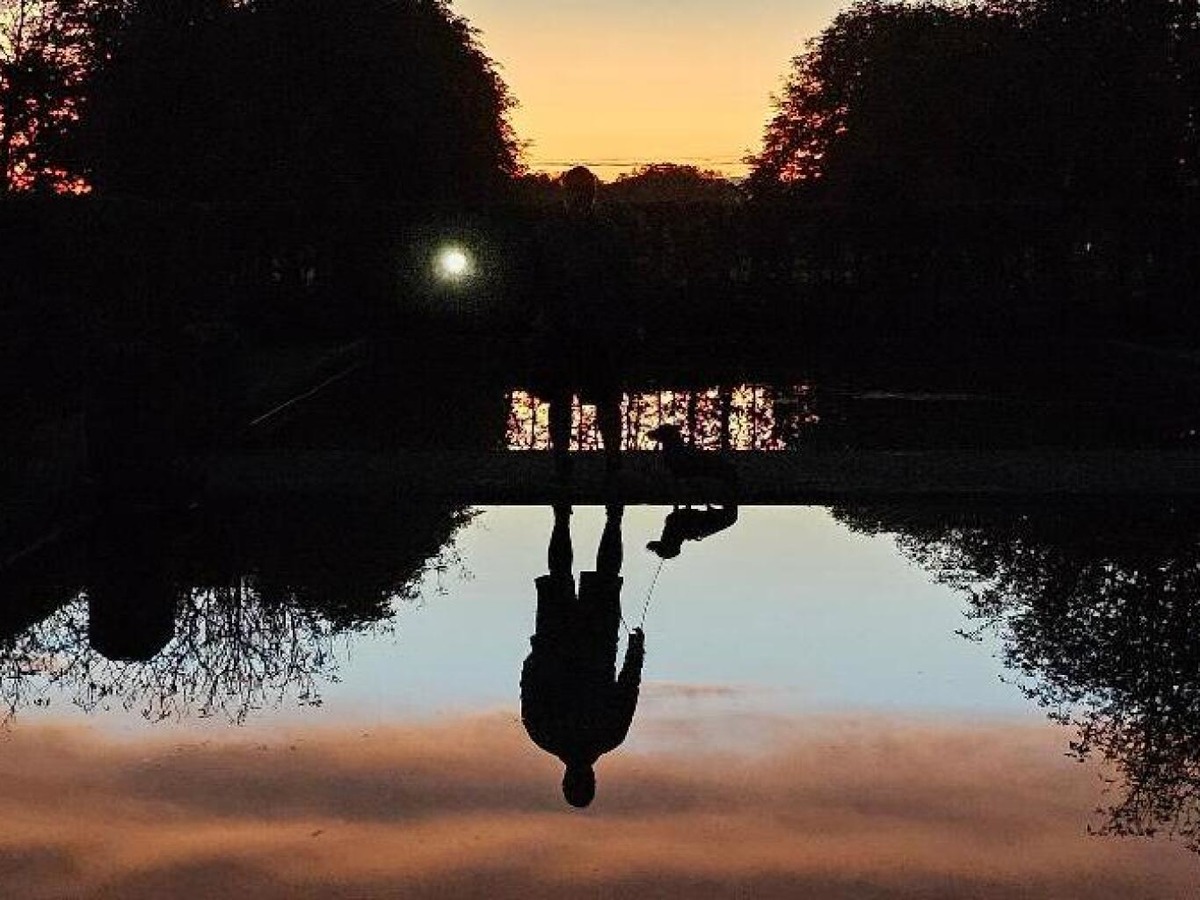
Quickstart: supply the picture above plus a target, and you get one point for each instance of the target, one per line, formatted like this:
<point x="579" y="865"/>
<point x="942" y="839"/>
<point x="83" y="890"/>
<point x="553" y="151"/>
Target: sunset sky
<point x="810" y="727"/>
<point x="616" y="84"/>
<point x="464" y="807"/>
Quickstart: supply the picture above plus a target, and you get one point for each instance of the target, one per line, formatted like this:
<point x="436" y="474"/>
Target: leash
<point x="649" y="597"/>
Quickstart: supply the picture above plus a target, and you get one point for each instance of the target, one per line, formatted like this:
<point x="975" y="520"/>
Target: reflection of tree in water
<point x="739" y="417"/>
<point x="265" y="607"/>
<point x="232" y="653"/>
<point x="1099" y="611"/>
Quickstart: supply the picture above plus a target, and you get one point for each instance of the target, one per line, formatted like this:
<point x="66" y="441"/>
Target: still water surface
<point x="338" y="713"/>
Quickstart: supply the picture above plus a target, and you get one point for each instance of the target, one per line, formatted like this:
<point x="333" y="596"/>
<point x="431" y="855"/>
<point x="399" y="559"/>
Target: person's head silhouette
<point x="579" y="784"/>
<point x="579" y="187"/>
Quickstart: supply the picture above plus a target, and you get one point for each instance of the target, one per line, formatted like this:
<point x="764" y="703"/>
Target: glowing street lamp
<point x="452" y="264"/>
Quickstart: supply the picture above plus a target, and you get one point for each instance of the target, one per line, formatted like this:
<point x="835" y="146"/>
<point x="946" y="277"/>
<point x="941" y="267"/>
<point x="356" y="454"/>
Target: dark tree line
<point x="258" y="100"/>
<point x="219" y="616"/>
<point x="251" y="164"/>
<point x="1099" y="611"/>
<point x="991" y="100"/>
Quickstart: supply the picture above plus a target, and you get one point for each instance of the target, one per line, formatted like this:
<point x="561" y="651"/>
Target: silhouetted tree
<point x="313" y="100"/>
<point x="47" y="52"/>
<point x="232" y="653"/>
<point x="671" y="183"/>
<point x="997" y="99"/>
<point x="234" y="617"/>
<point x="537" y="189"/>
<point x="1099" y="612"/>
<point x="865" y="104"/>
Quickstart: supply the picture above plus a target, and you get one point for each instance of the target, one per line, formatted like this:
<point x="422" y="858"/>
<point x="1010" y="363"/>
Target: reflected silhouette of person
<point x="688" y="524"/>
<point x="582" y="276"/>
<point x="574" y="704"/>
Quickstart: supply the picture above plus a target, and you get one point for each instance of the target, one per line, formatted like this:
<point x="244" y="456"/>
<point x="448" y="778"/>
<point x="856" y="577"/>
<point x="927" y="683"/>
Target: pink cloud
<point x="468" y="808"/>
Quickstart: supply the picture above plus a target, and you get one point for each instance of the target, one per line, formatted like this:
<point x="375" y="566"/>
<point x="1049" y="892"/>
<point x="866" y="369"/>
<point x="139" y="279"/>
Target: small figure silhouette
<point x="688" y="524"/>
<point x="685" y="461"/>
<point x="571" y="704"/>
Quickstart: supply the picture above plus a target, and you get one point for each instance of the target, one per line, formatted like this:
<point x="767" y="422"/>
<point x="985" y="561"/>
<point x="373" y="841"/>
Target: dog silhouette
<point x="686" y="462"/>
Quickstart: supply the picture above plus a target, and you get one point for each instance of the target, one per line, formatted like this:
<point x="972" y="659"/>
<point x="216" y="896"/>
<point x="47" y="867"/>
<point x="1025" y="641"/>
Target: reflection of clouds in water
<point x="668" y="690"/>
<point x="469" y="808"/>
<point x="1097" y="611"/>
<point x="741" y="417"/>
<point x="688" y="717"/>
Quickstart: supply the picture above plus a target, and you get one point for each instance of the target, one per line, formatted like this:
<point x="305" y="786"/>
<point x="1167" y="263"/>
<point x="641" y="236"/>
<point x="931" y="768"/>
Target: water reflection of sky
<point x="787" y="611"/>
<point x="810" y="726"/>
<point x="787" y="606"/>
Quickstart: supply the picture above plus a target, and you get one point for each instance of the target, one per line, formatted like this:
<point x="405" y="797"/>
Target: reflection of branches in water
<point x="743" y="417"/>
<point x="235" y="650"/>
<point x="232" y="653"/>
<point x="448" y="560"/>
<point x="1099" y="616"/>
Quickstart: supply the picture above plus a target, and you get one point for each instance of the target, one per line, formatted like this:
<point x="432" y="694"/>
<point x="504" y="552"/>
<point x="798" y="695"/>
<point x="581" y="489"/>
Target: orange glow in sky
<point x="468" y="808"/>
<point x="627" y="82"/>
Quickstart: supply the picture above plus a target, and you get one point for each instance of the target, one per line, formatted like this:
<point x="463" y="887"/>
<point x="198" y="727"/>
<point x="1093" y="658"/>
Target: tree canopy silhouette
<point x="1099" y="611"/>
<point x="994" y="99"/>
<point x="315" y="100"/>
<point x="258" y="600"/>
<point x="671" y="183"/>
<point x="48" y="52"/>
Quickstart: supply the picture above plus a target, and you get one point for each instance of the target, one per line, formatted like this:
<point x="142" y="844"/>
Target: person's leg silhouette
<point x="610" y="554"/>
<point x="561" y="555"/>
<point x="560" y="431"/>
<point x="608" y="414"/>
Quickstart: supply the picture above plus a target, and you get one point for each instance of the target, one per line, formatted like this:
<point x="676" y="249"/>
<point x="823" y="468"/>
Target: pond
<point x="310" y="699"/>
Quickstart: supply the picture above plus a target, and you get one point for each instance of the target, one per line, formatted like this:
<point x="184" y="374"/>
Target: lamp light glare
<point x="453" y="264"/>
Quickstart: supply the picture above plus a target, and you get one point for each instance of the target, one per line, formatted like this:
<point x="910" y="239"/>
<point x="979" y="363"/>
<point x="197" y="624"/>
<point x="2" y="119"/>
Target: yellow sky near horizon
<point x="625" y="83"/>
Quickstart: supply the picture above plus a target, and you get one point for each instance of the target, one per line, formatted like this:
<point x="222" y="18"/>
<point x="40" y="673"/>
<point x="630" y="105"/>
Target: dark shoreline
<point x="819" y="477"/>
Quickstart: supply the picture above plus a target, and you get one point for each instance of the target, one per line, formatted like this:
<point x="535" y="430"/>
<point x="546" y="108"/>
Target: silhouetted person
<point x="607" y="399"/>
<point x="582" y="280"/>
<point x="573" y="703"/>
<point x="688" y="524"/>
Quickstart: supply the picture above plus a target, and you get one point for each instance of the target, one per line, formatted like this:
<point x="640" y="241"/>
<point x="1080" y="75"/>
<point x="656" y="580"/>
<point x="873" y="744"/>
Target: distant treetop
<point x="990" y="100"/>
<point x="672" y="183"/>
<point x="316" y="100"/>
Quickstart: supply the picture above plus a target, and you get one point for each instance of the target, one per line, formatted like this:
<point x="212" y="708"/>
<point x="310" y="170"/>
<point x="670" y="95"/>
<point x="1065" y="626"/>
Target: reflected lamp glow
<point x="452" y="263"/>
